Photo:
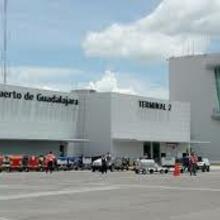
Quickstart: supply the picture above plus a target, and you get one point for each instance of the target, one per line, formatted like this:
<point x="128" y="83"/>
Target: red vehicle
<point x="33" y="163"/>
<point x="16" y="163"/>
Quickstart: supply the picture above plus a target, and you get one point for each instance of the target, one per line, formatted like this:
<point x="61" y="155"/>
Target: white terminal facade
<point x="196" y="79"/>
<point x="90" y="123"/>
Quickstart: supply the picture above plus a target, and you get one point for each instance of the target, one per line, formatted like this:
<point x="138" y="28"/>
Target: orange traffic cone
<point x="176" y="171"/>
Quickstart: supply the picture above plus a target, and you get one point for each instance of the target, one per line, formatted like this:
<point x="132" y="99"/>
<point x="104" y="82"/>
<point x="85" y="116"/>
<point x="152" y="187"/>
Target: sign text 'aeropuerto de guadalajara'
<point x="39" y="97"/>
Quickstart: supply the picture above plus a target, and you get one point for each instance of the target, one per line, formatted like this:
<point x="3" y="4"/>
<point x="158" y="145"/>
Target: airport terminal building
<point x="90" y="123"/>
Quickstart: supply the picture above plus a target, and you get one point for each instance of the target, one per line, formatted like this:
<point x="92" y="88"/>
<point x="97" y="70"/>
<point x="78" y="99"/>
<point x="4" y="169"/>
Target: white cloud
<point x="155" y="90"/>
<point x="64" y="79"/>
<point x="145" y="86"/>
<point x="174" y="28"/>
<point x="43" y="77"/>
<point x="109" y="83"/>
<point x="121" y="83"/>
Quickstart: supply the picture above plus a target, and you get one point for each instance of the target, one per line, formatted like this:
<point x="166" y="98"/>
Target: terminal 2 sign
<point x="154" y="105"/>
<point x="65" y="100"/>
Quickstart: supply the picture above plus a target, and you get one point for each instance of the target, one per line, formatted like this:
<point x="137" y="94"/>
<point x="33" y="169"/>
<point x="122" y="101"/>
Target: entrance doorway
<point x="152" y="150"/>
<point x="156" y="151"/>
<point x="147" y="150"/>
<point x="62" y="149"/>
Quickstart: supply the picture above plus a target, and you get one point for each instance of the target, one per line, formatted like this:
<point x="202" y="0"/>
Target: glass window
<point x="217" y="81"/>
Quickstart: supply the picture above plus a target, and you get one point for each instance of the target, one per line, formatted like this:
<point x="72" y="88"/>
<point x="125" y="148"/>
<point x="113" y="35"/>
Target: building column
<point x="151" y="150"/>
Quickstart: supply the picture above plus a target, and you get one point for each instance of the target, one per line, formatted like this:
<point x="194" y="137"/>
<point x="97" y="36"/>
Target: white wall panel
<point x="98" y="124"/>
<point x="32" y="119"/>
<point x="127" y="149"/>
<point x="131" y="121"/>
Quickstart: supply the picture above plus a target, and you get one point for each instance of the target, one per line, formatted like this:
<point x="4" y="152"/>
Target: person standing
<point x="25" y="160"/>
<point x="104" y="165"/>
<point x="1" y="162"/>
<point x="185" y="163"/>
<point x="50" y="161"/>
<point x="193" y="164"/>
<point x="108" y="157"/>
<point x="109" y="161"/>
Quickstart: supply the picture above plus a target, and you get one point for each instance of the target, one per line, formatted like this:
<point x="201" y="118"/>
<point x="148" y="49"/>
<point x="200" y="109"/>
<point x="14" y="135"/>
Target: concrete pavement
<point x="119" y="195"/>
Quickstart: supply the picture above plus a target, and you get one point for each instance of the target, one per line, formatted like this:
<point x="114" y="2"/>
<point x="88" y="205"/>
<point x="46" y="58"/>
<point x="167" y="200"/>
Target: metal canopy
<point x="146" y="140"/>
<point x="199" y="142"/>
<point x="76" y="140"/>
<point x="164" y="141"/>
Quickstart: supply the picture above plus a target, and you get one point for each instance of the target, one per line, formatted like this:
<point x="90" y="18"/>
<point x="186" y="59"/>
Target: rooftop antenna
<point x="207" y="42"/>
<point x="193" y="47"/>
<point x="188" y="47"/>
<point x="5" y="42"/>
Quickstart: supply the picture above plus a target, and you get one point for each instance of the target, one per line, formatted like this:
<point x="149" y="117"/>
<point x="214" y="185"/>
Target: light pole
<point x="5" y="42"/>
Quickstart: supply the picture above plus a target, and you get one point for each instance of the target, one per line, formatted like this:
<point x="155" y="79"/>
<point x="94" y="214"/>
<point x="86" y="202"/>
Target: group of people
<point x="190" y="163"/>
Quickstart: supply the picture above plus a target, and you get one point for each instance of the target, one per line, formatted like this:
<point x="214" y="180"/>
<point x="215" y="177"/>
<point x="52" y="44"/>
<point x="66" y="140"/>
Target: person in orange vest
<point x="193" y="159"/>
<point x="50" y="162"/>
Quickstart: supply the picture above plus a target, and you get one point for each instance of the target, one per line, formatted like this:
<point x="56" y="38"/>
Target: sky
<point x="115" y="45"/>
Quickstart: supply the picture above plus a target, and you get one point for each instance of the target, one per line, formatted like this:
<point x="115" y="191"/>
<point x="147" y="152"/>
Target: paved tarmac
<point x="82" y="195"/>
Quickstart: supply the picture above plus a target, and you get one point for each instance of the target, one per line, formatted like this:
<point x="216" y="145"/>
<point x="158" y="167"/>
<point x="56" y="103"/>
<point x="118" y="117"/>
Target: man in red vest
<point x="50" y="162"/>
